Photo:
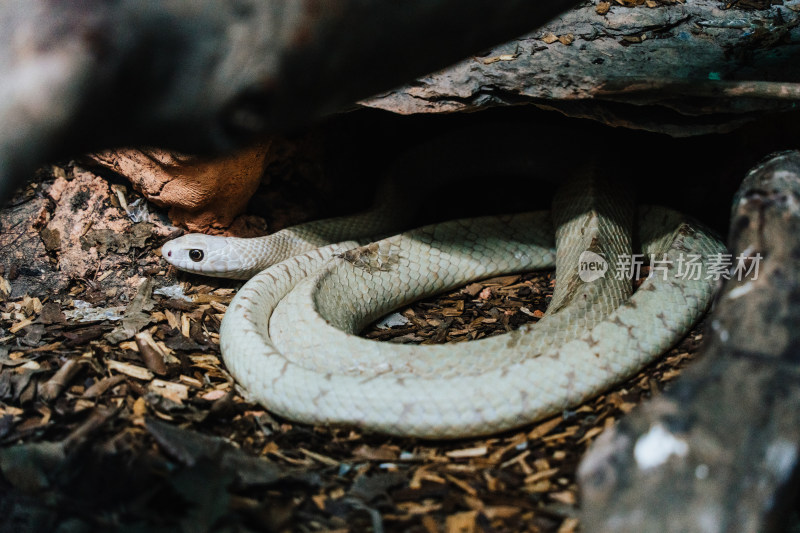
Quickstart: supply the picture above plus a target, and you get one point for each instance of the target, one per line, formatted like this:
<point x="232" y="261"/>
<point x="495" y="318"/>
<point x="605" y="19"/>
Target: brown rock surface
<point x="203" y="194"/>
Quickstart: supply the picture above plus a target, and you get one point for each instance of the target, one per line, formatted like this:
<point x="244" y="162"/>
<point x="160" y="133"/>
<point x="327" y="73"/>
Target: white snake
<point x="289" y="335"/>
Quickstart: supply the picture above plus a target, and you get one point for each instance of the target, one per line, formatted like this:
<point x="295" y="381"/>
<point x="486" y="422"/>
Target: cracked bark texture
<point x="719" y="451"/>
<point x="683" y="69"/>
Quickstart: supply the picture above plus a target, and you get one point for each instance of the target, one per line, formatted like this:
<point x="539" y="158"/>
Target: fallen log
<point x="681" y="68"/>
<point x="207" y="75"/>
<point x="719" y="451"/>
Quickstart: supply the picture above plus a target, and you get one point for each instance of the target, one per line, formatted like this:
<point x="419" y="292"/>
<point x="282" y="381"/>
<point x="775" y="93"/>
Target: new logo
<point x="591" y="266"/>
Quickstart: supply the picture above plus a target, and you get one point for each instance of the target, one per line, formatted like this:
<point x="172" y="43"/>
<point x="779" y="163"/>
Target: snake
<point x="290" y="335"/>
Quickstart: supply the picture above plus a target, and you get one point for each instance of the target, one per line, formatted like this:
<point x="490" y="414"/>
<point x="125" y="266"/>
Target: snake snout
<point x="167" y="251"/>
<point x="197" y="253"/>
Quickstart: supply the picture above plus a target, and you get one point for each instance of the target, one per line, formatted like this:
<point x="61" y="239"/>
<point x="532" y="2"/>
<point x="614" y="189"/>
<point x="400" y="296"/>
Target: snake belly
<point x="290" y="339"/>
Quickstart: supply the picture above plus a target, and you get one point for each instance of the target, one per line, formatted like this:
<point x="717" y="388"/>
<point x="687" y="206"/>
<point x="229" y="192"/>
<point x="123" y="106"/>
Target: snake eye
<point x="196" y="255"/>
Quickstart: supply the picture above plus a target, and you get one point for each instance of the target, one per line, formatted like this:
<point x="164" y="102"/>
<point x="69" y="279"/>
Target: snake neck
<point x="249" y="256"/>
<point x="594" y="220"/>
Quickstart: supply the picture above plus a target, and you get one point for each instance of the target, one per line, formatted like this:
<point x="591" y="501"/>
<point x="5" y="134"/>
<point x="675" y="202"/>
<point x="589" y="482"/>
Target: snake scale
<point x="289" y="336"/>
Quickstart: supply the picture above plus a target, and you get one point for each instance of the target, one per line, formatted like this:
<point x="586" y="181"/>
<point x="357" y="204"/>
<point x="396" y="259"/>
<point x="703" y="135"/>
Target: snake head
<point x="211" y="255"/>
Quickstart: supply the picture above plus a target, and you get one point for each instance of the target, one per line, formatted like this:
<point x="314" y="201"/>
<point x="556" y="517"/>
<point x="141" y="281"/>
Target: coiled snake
<point x="289" y="335"/>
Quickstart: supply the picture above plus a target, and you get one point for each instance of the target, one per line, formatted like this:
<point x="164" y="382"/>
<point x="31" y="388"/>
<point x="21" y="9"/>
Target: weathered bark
<point x="75" y="226"/>
<point x="683" y="69"/>
<point x="210" y="75"/>
<point x="719" y="452"/>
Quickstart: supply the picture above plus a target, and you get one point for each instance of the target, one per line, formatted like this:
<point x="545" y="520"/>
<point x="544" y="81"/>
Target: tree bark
<point x="719" y="452"/>
<point x="679" y="68"/>
<point x="210" y="75"/>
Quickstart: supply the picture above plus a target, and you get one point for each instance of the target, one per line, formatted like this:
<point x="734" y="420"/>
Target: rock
<point x="203" y="194"/>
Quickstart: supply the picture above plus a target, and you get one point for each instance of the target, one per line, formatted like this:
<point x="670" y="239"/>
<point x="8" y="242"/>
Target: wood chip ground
<point x="150" y="432"/>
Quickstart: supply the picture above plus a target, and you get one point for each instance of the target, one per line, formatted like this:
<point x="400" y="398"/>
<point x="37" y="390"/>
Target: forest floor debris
<point x="124" y="401"/>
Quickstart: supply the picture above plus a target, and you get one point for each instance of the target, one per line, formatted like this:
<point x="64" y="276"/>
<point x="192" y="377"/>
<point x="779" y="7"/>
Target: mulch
<point x="101" y="430"/>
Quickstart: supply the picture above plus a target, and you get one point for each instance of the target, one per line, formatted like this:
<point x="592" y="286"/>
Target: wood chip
<point x="462" y="522"/>
<point x="566" y="497"/>
<point x="569" y="525"/>
<point x="21" y="324"/>
<point x="186" y="326"/>
<point x="539" y="486"/>
<point x="213" y="395"/>
<point x="103" y="385"/>
<point x="518" y="459"/>
<point x="591" y="433"/>
<point x="429" y="523"/>
<point x="172" y="319"/>
<point x="45" y="348"/>
<point x="152" y="354"/>
<point x="502" y="281"/>
<point x="549" y="38"/>
<point x="139" y="406"/>
<point x="128" y="369"/>
<point x="177" y="392"/>
<point x="319" y="457"/>
<point x="462" y="484"/>
<point x="51" y="389"/>
<point x="192" y="382"/>
<point x="478" y="451"/>
<point x="567" y="39"/>
<point x="383" y="453"/>
<point x="204" y="359"/>
<point x="473" y="289"/>
<point x="544" y="428"/>
<point x="538" y="476"/>
<point x="495" y="59"/>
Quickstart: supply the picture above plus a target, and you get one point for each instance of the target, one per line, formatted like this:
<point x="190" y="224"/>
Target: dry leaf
<point x="549" y="38"/>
